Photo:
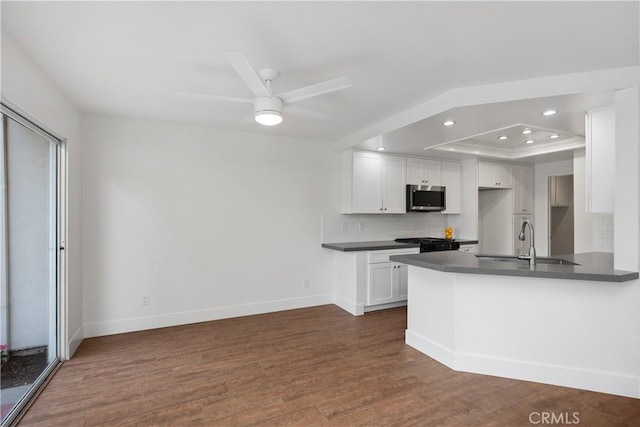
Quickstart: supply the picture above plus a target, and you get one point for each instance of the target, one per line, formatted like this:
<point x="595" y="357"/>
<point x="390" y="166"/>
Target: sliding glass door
<point x="29" y="258"/>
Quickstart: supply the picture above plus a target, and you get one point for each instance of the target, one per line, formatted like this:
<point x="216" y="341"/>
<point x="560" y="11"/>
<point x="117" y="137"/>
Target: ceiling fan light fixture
<point x="268" y="118"/>
<point x="268" y="110"/>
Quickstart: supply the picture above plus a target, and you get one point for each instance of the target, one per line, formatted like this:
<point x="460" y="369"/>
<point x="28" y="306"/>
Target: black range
<point x="432" y="244"/>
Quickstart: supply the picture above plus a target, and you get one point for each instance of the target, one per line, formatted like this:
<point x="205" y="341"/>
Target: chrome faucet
<point x="532" y="249"/>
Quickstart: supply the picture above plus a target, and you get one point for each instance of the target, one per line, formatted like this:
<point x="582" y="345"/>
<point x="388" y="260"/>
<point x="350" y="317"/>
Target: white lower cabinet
<point x="386" y="280"/>
<point x="387" y="283"/>
<point x="469" y="248"/>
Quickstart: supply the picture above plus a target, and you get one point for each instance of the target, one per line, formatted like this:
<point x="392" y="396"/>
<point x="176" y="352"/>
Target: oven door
<point x="426" y="198"/>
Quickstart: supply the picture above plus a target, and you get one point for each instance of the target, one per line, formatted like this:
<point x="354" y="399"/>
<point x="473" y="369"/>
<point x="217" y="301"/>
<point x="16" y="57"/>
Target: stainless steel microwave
<point x="426" y="198"/>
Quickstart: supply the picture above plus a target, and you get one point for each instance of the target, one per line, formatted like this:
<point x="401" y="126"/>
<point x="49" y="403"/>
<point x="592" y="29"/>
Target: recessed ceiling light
<point x="554" y="136"/>
<point x="549" y="113"/>
<point x="449" y="123"/>
<point x="529" y="141"/>
<point x="503" y="137"/>
<point x="527" y="131"/>
<point x="381" y="148"/>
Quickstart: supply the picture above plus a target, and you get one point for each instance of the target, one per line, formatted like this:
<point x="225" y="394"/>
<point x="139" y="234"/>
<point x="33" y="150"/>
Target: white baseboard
<point x="75" y="341"/>
<point x="432" y="349"/>
<point x="566" y="376"/>
<point x="385" y="306"/>
<point x="349" y="306"/>
<point x="164" y="320"/>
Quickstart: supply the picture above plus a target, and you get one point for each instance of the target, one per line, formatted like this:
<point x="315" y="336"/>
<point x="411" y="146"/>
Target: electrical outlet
<point x="361" y="226"/>
<point x="145" y="300"/>
<point x="344" y="226"/>
<point x="307" y="283"/>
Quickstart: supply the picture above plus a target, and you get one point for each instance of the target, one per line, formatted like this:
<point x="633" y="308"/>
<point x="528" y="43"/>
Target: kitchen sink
<point x="539" y="260"/>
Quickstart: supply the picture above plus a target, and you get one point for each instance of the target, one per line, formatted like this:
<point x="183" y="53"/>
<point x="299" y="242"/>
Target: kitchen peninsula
<point x="562" y="324"/>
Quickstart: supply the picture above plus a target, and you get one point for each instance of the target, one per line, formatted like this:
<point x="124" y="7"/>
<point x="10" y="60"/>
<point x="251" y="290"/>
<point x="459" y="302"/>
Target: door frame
<point x="59" y="302"/>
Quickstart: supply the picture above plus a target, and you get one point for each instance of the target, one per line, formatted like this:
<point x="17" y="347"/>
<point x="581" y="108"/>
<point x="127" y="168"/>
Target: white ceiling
<point x="130" y="58"/>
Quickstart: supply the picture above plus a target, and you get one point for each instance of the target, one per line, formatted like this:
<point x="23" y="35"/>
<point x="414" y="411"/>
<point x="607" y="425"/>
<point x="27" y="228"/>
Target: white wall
<point x="25" y="85"/>
<point x="207" y="223"/>
<point x="361" y="228"/>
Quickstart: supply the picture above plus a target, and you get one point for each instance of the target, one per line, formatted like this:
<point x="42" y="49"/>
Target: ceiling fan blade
<point x="315" y="90"/>
<point x="240" y="63"/>
<point x="296" y="110"/>
<point x="208" y="96"/>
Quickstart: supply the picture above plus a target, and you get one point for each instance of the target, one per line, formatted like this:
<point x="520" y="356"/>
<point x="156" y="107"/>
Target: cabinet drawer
<point x="383" y="256"/>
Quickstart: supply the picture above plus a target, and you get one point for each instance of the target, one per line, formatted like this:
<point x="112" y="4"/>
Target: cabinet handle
<point x="385" y="209"/>
<point x="380" y="208"/>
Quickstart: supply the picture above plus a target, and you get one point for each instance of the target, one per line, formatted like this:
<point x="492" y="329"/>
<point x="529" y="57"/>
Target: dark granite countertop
<point x="592" y="266"/>
<point x="369" y="246"/>
<point x="380" y="245"/>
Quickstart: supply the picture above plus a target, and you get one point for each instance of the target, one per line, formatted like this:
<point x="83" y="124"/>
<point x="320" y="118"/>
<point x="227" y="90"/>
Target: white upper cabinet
<point x="394" y="184"/>
<point x="600" y="159"/>
<point x="494" y="175"/>
<point x="424" y="171"/>
<point x="522" y="189"/>
<point x="452" y="180"/>
<point x="367" y="183"/>
<point x="373" y="183"/>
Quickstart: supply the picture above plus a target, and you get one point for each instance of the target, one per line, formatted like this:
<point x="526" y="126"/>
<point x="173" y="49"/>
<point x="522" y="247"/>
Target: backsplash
<point x="603" y="232"/>
<point x="363" y="228"/>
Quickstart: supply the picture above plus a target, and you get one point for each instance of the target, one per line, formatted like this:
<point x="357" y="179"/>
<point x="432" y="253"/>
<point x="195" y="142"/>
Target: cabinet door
<point x="600" y="159"/>
<point x="522" y="188"/>
<point x="381" y="283"/>
<point x="393" y="184"/>
<point x="485" y="175"/>
<point x="526" y="188"/>
<point x="367" y="182"/>
<point x="451" y="179"/>
<point x="402" y="279"/>
<point x="432" y="172"/>
<point x="415" y="171"/>
<point x="502" y="175"/>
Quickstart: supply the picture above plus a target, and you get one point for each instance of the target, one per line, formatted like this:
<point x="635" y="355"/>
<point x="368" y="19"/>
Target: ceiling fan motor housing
<point x="266" y="104"/>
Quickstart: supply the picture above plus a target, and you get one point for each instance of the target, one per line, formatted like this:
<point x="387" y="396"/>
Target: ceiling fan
<point x="268" y="106"/>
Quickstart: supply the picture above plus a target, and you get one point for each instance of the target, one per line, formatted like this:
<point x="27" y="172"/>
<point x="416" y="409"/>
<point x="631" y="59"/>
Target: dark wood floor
<point x="305" y="367"/>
